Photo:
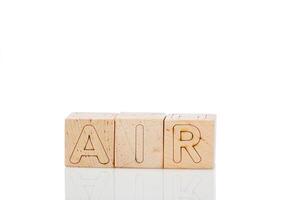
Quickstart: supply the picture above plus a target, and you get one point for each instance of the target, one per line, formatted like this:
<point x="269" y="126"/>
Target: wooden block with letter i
<point x="89" y="140"/>
<point x="139" y="140"/>
<point x="189" y="141"/>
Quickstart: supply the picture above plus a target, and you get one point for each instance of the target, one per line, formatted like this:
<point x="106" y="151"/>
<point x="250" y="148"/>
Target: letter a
<point x="89" y="145"/>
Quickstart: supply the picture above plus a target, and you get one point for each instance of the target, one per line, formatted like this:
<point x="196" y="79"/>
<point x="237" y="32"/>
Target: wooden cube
<point x="139" y="140"/>
<point x="89" y="140"/>
<point x="189" y="141"/>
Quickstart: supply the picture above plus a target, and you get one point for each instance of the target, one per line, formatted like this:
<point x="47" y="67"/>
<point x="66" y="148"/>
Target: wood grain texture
<point x="139" y="140"/>
<point x="89" y="140"/>
<point x="189" y="141"/>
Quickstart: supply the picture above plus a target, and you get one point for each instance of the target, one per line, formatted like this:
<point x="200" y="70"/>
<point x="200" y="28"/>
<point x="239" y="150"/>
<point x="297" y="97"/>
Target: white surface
<point x="143" y="184"/>
<point x="238" y="59"/>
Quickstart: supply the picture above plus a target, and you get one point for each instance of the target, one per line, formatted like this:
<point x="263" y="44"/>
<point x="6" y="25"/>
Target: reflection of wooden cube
<point x="89" y="140"/>
<point x="139" y="140"/>
<point x="144" y="184"/>
<point x="189" y="184"/>
<point x="189" y="141"/>
<point x="89" y="184"/>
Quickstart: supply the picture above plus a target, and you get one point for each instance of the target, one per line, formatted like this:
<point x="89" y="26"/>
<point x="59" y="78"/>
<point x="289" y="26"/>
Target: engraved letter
<point x="89" y="145"/>
<point x="139" y="143"/>
<point x="186" y="136"/>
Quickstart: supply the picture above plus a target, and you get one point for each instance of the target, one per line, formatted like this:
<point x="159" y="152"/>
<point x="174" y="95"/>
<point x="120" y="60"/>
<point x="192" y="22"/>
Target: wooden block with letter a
<point x="189" y="141"/>
<point x="139" y="140"/>
<point x="89" y="140"/>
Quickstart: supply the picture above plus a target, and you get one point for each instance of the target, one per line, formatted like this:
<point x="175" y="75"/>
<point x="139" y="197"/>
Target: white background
<point x="237" y="59"/>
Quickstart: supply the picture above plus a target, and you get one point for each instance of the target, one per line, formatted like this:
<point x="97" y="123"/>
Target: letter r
<point x="186" y="136"/>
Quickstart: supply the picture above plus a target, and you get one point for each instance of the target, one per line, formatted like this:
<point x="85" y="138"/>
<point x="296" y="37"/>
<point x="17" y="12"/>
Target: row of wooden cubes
<point x="140" y="140"/>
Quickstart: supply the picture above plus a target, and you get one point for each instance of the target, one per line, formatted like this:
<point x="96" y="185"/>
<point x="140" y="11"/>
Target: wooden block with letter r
<point x="139" y="140"/>
<point x="189" y="141"/>
<point x="89" y="140"/>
